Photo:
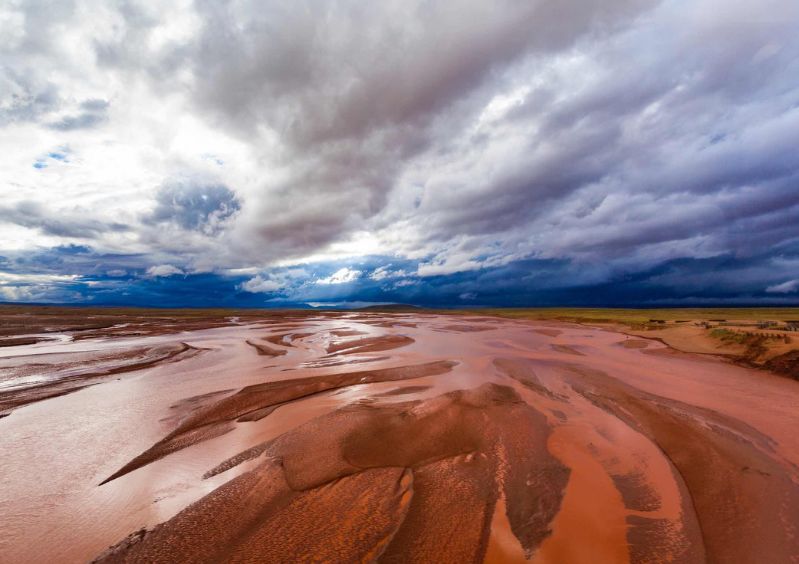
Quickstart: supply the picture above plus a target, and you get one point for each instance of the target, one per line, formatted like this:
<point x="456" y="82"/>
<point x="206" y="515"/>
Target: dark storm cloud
<point x="82" y="261"/>
<point x="356" y="91"/>
<point x="64" y="259"/>
<point x="769" y="277"/>
<point x="319" y="72"/>
<point x="121" y="279"/>
<point x="641" y="145"/>
<point x="640" y="101"/>
<point x="74" y="224"/>
<point x="194" y="206"/>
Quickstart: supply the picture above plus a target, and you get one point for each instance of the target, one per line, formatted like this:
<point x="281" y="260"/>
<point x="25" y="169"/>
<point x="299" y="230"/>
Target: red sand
<point x="396" y="438"/>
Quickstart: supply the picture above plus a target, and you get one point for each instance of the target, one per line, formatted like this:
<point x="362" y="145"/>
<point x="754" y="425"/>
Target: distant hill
<point x="390" y="307"/>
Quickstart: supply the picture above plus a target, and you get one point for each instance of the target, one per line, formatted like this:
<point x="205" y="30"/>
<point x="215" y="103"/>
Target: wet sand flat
<point x="344" y="437"/>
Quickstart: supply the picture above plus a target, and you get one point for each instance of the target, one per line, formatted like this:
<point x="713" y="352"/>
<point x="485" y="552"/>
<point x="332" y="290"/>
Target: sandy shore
<point x="396" y="438"/>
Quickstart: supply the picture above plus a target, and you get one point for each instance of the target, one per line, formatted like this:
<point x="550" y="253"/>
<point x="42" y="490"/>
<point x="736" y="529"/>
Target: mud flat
<point x="394" y="438"/>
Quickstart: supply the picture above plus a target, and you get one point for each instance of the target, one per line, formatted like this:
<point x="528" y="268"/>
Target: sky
<point x="439" y="153"/>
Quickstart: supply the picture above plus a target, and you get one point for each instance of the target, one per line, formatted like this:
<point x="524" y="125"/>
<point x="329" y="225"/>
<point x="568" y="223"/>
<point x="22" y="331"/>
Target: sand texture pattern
<point x="402" y="437"/>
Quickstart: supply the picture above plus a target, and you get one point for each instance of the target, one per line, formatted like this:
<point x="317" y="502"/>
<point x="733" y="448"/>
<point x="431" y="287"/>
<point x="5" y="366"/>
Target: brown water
<point x="664" y="455"/>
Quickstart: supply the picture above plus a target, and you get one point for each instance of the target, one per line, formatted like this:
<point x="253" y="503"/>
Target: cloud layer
<point x="258" y="153"/>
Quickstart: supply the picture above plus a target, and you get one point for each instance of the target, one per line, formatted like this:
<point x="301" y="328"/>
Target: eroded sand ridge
<point x="397" y="438"/>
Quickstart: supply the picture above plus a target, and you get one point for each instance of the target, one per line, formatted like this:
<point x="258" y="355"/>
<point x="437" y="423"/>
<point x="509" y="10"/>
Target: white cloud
<point x="348" y="304"/>
<point x="15" y="278"/>
<point x="16" y="293"/>
<point x="33" y="287"/>
<point x="785" y="288"/>
<point x="384" y="272"/>
<point x="448" y="265"/>
<point x="341" y="276"/>
<point x="260" y="284"/>
<point x="380" y="273"/>
<point x="274" y="281"/>
<point x="163" y="270"/>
